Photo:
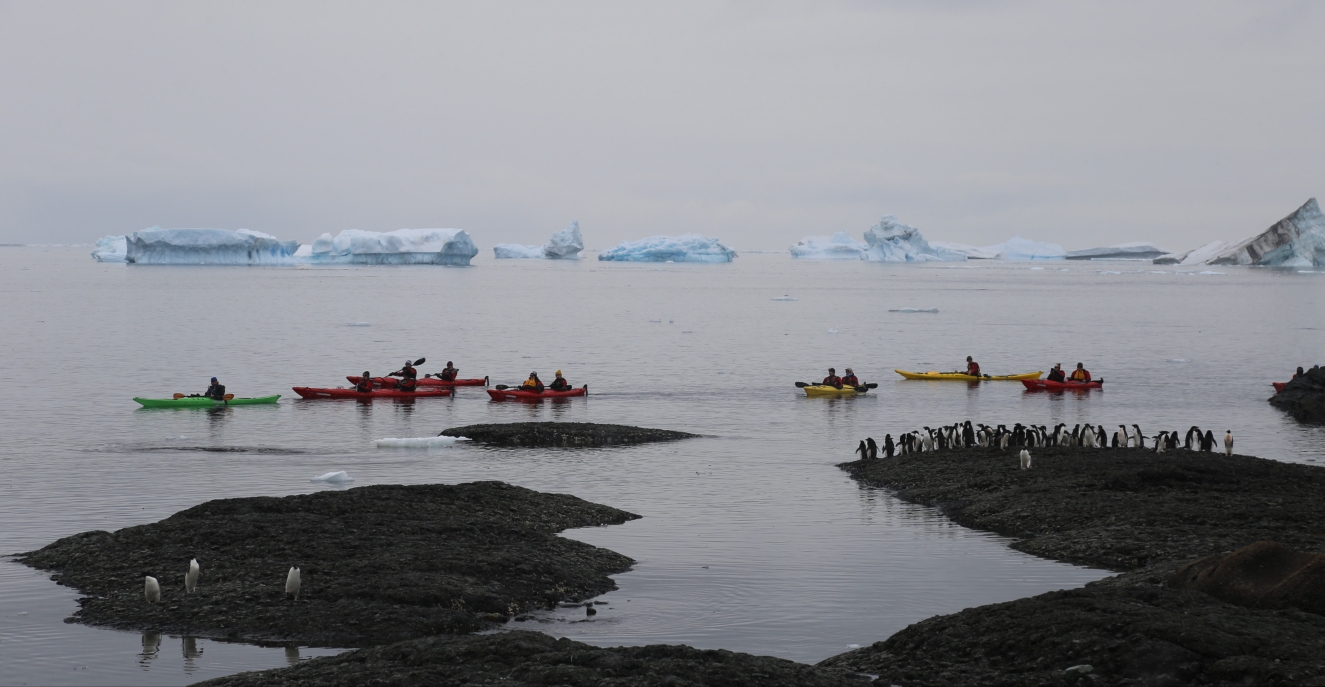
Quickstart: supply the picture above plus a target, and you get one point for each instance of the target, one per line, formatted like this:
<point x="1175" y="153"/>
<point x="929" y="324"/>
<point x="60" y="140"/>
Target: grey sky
<point x="758" y="122"/>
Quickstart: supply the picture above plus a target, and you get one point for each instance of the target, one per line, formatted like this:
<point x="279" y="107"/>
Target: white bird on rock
<point x="292" y="582"/>
<point x="191" y="577"/>
<point x="151" y="589"/>
<point x="1025" y="459"/>
<point x="1228" y="443"/>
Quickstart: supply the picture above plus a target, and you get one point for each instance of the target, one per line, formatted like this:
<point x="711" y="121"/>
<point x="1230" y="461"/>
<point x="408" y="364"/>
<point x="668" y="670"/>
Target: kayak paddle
<point x="178" y="396"/>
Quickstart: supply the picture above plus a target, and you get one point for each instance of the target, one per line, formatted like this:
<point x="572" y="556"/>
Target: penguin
<point x="862" y="450"/>
<point x="191" y="577"/>
<point x="292" y="582"/>
<point x="1194" y="430"/>
<point x="151" y="589"/>
<point x="1161" y="440"/>
<point x="872" y="447"/>
<point x="1140" y="438"/>
<point x="888" y="445"/>
<point x="589" y="609"/>
<point x="1025" y="459"/>
<point x="1208" y="444"/>
<point x="1117" y="437"/>
<point x="1228" y="443"/>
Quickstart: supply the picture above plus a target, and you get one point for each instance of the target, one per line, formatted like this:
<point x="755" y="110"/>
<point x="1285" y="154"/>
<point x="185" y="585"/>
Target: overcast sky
<point x="757" y="122"/>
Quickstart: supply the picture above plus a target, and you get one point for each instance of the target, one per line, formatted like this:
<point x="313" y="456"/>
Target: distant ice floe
<point x="399" y="247"/>
<point x="158" y="246"/>
<point x="914" y="310"/>
<point x="685" y="248"/>
<point x="338" y="477"/>
<point x="1297" y="240"/>
<point x="419" y="442"/>
<point x="839" y="246"/>
<point x="358" y="324"/>
<point x="971" y="252"/>
<point x="783" y="298"/>
<point x="110" y="249"/>
<point x="1018" y="248"/>
<point x="1122" y="251"/>
<point x="564" y="245"/>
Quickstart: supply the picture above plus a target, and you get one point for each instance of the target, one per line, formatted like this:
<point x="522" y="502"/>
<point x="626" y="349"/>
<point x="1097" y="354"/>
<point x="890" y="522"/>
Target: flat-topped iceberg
<point x="686" y="248"/>
<point x="110" y="249"/>
<point x="892" y="241"/>
<point x="1018" y="248"/>
<point x="839" y="246"/>
<point x="1122" y="251"/>
<point x="564" y="245"/>
<point x="971" y="252"/>
<point x="1297" y="240"/>
<point x="158" y="246"/>
<point x="400" y="247"/>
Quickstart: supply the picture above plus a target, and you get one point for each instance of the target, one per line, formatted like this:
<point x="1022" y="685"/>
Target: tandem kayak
<point x="828" y="390"/>
<point x="314" y="392"/>
<point x="203" y="402"/>
<point x="422" y="381"/>
<point x="518" y="395"/>
<point x="1049" y="385"/>
<point x="1278" y="386"/>
<point x="959" y="377"/>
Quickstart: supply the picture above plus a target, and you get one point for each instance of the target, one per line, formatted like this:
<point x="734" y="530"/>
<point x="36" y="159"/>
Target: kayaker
<point x="832" y="379"/>
<point x="560" y="383"/>
<point x="850" y="379"/>
<point x="1080" y="374"/>
<point x="365" y="385"/>
<point x="972" y="367"/>
<point x="448" y="374"/>
<point x="216" y="391"/>
<point x="532" y="384"/>
<point x="1057" y="374"/>
<point x="409" y="377"/>
<point x="1299" y="373"/>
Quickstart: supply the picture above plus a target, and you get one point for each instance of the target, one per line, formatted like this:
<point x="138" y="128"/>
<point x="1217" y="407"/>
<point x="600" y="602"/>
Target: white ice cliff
<point x="1297" y="240"/>
<point x="892" y="241"/>
<point x="686" y="248"/>
<point x="839" y="246"/>
<point x="158" y="246"/>
<point x="110" y="249"/>
<point x="565" y="244"/>
<point x="400" y="247"/>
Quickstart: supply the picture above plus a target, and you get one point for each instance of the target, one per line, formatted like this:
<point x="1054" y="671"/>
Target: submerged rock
<point x="522" y="658"/>
<point x="562" y="434"/>
<point x="1297" y="240"/>
<point x="378" y="564"/>
<point x="1304" y="397"/>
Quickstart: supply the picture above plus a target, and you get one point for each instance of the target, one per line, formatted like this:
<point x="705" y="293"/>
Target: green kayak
<point x="202" y="402"/>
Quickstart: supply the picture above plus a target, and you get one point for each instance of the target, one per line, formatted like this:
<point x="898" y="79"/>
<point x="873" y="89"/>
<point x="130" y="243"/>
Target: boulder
<point x="1304" y="397"/>
<point x="1264" y="575"/>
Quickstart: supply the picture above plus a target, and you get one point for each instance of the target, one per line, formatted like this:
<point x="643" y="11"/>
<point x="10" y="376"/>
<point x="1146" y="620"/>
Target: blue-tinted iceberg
<point x="839" y="246"/>
<point x="971" y="252"/>
<point x="1122" y="251"/>
<point x="1297" y="240"/>
<point x="564" y="245"/>
<point x="892" y="241"/>
<point x="158" y="246"/>
<point x="110" y="249"/>
<point x="1018" y="248"/>
<point x="400" y="247"/>
<point x="687" y="248"/>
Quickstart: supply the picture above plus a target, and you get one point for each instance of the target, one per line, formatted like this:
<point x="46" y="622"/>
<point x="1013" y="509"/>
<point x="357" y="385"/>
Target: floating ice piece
<point x="110" y="249"/>
<point x="419" y="442"/>
<point x="516" y="251"/>
<point x="1122" y="251"/>
<point x="686" y="248"/>
<point x="1297" y="240"/>
<point x="564" y="245"/>
<point x="892" y="241"/>
<point x="1178" y="360"/>
<point x="914" y="310"/>
<point x="1037" y="268"/>
<point x="358" y="324"/>
<point x="1018" y="248"/>
<point x="1110" y="272"/>
<point x="839" y="246"/>
<point x="853" y="646"/>
<point x="157" y="246"/>
<point x="833" y="330"/>
<point x="782" y="298"/>
<point x="399" y="247"/>
<point x="1210" y="272"/>
<point x="657" y="321"/>
<point x="971" y="252"/>
<point x="338" y="477"/>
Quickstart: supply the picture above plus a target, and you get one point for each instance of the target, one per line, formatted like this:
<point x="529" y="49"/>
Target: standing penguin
<point x="1025" y="459"/>
<point x="1208" y="444"/>
<point x="191" y="577"/>
<point x="151" y="589"/>
<point x="292" y="582"/>
<point x="888" y="446"/>
<point x="873" y="447"/>
<point x="862" y="450"/>
<point x="1228" y="443"/>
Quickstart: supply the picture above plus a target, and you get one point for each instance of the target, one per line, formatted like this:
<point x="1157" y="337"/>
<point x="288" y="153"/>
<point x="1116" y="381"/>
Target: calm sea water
<point x="751" y="539"/>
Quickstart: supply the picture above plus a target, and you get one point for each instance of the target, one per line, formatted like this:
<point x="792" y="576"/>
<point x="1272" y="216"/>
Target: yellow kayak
<point x="826" y="390"/>
<point x="959" y="377"/>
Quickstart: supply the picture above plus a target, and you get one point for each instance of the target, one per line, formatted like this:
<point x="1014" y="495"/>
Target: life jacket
<point x="448" y="375"/>
<point x="408" y="372"/>
<point x="215" y="391"/>
<point x="833" y="380"/>
<point x="560" y="384"/>
<point x="364" y="386"/>
<point x="1055" y="375"/>
<point x="534" y="384"/>
<point x="408" y="384"/>
<point x="1080" y="375"/>
<point x="973" y="369"/>
<point x="850" y="380"/>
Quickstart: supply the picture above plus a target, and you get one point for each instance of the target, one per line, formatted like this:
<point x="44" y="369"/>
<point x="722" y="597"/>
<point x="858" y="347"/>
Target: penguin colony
<point x="967" y="435"/>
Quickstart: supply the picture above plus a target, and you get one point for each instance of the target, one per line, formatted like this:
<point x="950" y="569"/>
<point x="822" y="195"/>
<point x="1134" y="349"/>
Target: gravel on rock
<point x="378" y="564"/>
<point x="546" y="434"/>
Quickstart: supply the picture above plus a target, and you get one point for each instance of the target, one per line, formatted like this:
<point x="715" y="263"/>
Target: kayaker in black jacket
<point x="1056" y="374"/>
<point x="365" y="385"/>
<point x="216" y="391"/>
<point x="832" y="379"/>
<point x="533" y="383"/>
<point x="560" y="383"/>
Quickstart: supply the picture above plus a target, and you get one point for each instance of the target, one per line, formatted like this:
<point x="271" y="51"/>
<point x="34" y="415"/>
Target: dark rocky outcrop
<point x="378" y="564"/>
<point x="562" y="434"/>
<point x="1263" y="575"/>
<point x="1304" y="397"/>
<point x="518" y="659"/>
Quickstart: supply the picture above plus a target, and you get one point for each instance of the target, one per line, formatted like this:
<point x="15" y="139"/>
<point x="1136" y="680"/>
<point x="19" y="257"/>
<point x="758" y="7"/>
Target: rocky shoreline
<point x="378" y="564"/>
<point x="1303" y="397"/>
<point x="1124" y="510"/>
<point x="551" y="434"/>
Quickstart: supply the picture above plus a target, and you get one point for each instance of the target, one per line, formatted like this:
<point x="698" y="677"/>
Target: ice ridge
<point x="399" y="247"/>
<point x="685" y="248"/>
<point x="157" y="246"/>
<point x="1297" y="240"/>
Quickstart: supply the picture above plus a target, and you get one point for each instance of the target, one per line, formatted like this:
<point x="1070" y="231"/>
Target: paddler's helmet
<point x="849" y="371"/>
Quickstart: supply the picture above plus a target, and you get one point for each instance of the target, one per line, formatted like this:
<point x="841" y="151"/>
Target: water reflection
<point x="151" y="645"/>
<point x="292" y="654"/>
<point x="191" y="653"/>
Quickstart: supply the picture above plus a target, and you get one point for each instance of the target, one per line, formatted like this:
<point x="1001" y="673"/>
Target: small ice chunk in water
<point x="358" y="324"/>
<point x="1037" y="268"/>
<point x="657" y="321"/>
<point x="853" y="646"/>
<point x="784" y="297"/>
<point x="914" y="310"/>
<point x="338" y="477"/>
<point x="1178" y="360"/>
<point x="833" y="330"/>
<point x="1211" y="272"/>
<point x="418" y="442"/>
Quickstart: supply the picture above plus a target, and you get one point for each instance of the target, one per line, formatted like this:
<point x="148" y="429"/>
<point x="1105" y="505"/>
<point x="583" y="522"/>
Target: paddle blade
<point x="179" y="396"/>
<point x="802" y="385"/>
<point x="872" y="385"/>
<point x="420" y="361"/>
<point x="228" y="397"/>
<point x="501" y="387"/>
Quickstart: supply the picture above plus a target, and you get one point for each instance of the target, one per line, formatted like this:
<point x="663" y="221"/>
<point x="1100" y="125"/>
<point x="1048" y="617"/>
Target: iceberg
<point x="1018" y="248"/>
<point x="564" y="245"/>
<point x="418" y="442"/>
<point x="1122" y="251"/>
<point x="971" y="252"/>
<point x="892" y="241"/>
<point x="839" y="246"/>
<point x="338" y="477"/>
<point x="110" y="249"/>
<point x="1297" y="240"/>
<point x="400" y="247"/>
<point x="685" y="248"/>
<point x="157" y="246"/>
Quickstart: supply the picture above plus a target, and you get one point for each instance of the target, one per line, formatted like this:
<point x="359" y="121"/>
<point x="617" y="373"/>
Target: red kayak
<point x="422" y="381"/>
<point x="1278" y="386"/>
<point x="1047" y="385"/>
<point x="518" y="395"/>
<point x="314" y="392"/>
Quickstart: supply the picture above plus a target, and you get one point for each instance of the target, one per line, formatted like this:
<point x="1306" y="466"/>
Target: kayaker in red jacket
<point x="448" y="374"/>
<point x="560" y="383"/>
<point x="532" y="384"/>
<point x="972" y="367"/>
<point x="832" y="379"/>
<point x="850" y="379"/>
<point x="1080" y="374"/>
<point x="365" y="384"/>
<point x="1057" y="374"/>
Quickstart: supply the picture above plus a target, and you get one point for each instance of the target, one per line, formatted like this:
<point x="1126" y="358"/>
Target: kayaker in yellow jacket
<point x="533" y="383"/>
<point x="1080" y="374"/>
